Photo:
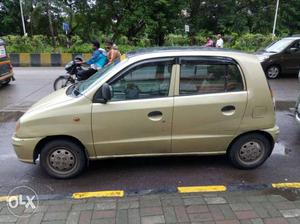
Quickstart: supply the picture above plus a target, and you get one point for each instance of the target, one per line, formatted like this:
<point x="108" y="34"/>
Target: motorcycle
<point x="72" y="68"/>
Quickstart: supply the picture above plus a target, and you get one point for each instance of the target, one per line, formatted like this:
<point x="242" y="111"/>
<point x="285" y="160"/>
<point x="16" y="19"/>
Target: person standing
<point x="220" y="41"/>
<point x="209" y="42"/>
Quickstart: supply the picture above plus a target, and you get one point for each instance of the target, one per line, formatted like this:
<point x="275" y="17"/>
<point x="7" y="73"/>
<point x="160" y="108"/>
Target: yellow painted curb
<point x="98" y="194"/>
<point x="24" y="59"/>
<point x="286" y="185"/>
<point x="195" y="189"/>
<point x="45" y="59"/>
<point x="5" y="198"/>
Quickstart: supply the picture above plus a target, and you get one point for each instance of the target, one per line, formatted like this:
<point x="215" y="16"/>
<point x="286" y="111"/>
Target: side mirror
<point x="106" y="92"/>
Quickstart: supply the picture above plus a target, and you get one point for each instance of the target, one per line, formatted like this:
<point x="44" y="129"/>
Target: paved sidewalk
<point x="246" y="207"/>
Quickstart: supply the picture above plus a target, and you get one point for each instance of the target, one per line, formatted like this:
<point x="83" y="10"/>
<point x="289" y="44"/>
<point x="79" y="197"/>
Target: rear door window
<point x="209" y="76"/>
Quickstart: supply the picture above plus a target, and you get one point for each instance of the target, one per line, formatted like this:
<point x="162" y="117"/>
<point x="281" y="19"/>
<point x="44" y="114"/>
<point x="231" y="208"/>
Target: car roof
<point x="292" y="38"/>
<point x="183" y="49"/>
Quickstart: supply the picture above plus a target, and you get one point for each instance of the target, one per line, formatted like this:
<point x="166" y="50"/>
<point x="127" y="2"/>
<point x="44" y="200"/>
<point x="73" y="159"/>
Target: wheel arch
<point x="42" y="142"/>
<point x="266" y="134"/>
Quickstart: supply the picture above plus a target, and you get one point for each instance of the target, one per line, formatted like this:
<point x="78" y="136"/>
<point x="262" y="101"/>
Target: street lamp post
<point x="22" y="16"/>
<point x="275" y="19"/>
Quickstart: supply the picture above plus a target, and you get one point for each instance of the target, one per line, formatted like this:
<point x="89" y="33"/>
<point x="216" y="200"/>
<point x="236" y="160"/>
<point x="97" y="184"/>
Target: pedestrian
<point x="113" y="54"/>
<point x="220" y="41"/>
<point x="96" y="62"/>
<point x="209" y="42"/>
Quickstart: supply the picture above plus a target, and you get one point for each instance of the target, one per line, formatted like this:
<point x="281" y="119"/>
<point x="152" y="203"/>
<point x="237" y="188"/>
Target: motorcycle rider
<point x="96" y="62"/>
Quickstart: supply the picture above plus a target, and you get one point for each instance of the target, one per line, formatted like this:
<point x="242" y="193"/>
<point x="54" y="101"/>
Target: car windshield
<point x="80" y="87"/>
<point x="279" y="46"/>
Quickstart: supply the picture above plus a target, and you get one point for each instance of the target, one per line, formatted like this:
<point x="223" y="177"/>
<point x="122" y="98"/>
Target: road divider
<point x="44" y="59"/>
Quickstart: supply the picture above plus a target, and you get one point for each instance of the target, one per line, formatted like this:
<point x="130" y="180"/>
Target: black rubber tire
<point x="233" y="151"/>
<point x="55" y="84"/>
<point x="6" y="82"/>
<point x="273" y="67"/>
<point x="74" y="148"/>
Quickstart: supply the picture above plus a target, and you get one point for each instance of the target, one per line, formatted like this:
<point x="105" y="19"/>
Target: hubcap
<point x="251" y="152"/>
<point x="273" y="72"/>
<point x="62" y="160"/>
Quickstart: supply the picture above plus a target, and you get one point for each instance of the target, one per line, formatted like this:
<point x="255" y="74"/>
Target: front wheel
<point x="62" y="82"/>
<point x="249" y="151"/>
<point x="273" y="72"/>
<point x="62" y="159"/>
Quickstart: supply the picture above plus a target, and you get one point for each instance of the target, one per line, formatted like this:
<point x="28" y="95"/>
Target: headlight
<point x="262" y="58"/>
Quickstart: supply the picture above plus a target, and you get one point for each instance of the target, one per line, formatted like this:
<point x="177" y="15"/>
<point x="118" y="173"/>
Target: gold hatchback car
<point x="161" y="101"/>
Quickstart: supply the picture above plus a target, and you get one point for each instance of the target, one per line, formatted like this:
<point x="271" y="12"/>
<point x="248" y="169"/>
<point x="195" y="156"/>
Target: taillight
<point x="10" y="66"/>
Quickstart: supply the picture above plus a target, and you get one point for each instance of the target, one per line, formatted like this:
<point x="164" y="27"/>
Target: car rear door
<point x="209" y="105"/>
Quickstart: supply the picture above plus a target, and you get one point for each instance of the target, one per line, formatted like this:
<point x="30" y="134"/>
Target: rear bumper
<point x="274" y="132"/>
<point x="24" y="148"/>
<point x="7" y="76"/>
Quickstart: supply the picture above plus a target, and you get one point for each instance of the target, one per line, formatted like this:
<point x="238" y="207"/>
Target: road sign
<point x="66" y="27"/>
<point x="187" y="28"/>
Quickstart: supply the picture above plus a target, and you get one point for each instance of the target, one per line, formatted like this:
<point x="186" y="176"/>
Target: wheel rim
<point x="273" y="72"/>
<point x="62" y="161"/>
<point x="61" y="83"/>
<point x="251" y="152"/>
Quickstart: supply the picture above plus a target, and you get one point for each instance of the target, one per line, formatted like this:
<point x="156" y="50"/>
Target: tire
<point x="60" y="82"/>
<point x="249" y="151"/>
<point x="273" y="72"/>
<point x="5" y="82"/>
<point x="62" y="159"/>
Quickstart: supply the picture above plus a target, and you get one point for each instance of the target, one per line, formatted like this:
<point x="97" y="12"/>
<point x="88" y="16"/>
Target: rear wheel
<point x="5" y="82"/>
<point x="273" y="72"/>
<point x="62" y="82"/>
<point x="249" y="151"/>
<point x="62" y="159"/>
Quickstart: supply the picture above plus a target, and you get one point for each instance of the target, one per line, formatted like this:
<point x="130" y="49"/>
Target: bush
<point x="43" y="44"/>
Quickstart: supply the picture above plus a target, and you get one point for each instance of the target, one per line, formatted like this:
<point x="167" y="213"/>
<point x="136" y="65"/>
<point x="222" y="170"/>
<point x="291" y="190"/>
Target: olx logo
<point x="20" y="199"/>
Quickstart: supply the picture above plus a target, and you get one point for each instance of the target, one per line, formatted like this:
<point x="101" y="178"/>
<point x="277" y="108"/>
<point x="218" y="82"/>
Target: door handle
<point x="155" y="115"/>
<point x="228" y="110"/>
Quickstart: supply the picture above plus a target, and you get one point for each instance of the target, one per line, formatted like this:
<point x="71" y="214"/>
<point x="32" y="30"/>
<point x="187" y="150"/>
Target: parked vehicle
<point x="281" y="57"/>
<point x="72" y="68"/>
<point x="6" y="69"/>
<point x="169" y="101"/>
<point x="296" y="110"/>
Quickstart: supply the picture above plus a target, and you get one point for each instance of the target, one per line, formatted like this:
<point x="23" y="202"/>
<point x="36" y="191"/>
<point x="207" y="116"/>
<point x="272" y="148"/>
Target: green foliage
<point x="42" y="44"/>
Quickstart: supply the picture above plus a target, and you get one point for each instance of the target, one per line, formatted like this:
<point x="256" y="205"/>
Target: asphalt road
<point x="141" y="173"/>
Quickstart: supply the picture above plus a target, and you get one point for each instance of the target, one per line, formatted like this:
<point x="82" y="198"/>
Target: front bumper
<point x="24" y="148"/>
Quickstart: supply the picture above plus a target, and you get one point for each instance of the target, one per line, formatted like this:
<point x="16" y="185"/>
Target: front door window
<point x="150" y="80"/>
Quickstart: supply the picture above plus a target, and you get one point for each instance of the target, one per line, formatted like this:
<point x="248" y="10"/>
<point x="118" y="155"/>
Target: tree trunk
<point x="50" y="24"/>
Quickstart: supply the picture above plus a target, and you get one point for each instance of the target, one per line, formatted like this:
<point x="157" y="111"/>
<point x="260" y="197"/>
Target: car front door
<point x="210" y="103"/>
<point x="138" y="118"/>
<point x="291" y="58"/>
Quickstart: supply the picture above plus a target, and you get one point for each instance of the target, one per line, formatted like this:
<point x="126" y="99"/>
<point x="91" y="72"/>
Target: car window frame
<point x="217" y="60"/>
<point x="173" y="59"/>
